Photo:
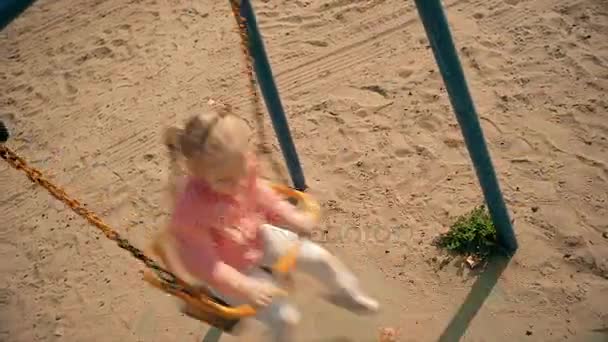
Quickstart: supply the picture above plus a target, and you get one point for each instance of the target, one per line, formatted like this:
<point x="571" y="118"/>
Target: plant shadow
<point x="480" y="291"/>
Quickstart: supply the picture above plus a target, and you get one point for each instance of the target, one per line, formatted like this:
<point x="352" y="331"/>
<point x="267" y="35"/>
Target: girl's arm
<point x="281" y="212"/>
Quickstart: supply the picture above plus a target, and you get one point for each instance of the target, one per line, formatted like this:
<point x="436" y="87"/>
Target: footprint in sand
<point x="479" y="15"/>
<point x="188" y="16"/>
<point x="512" y="2"/>
<point x="101" y="52"/>
<point x="70" y="89"/>
<point x="405" y="73"/>
<point x="403" y="152"/>
<point x="318" y="43"/>
<point x="371" y="96"/>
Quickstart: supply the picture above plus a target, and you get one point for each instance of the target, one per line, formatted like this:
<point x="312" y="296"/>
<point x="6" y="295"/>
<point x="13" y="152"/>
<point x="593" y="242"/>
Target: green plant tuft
<point x="473" y="234"/>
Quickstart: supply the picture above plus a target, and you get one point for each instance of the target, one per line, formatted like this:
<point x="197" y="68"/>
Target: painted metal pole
<point x="4" y="134"/>
<point x="438" y="32"/>
<point x="11" y="9"/>
<point x="213" y="335"/>
<point x="271" y="97"/>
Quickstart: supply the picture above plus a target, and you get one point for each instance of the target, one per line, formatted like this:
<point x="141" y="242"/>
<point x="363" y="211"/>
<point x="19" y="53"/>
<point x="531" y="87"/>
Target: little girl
<point x="221" y="233"/>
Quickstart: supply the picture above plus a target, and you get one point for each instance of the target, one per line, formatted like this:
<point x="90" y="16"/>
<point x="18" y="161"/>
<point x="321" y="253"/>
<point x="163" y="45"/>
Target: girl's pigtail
<point x="171" y="140"/>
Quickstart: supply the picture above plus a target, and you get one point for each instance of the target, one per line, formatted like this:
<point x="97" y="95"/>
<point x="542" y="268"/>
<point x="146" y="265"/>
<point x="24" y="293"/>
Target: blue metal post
<point x="438" y="33"/>
<point x="271" y="97"/>
<point x="11" y="9"/>
<point x="213" y="335"/>
<point x="4" y="134"/>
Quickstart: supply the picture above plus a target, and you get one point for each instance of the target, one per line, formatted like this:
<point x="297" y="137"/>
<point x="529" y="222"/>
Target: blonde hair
<point x="210" y="136"/>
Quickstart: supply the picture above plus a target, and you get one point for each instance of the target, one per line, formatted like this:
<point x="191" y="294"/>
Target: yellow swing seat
<point x="207" y="307"/>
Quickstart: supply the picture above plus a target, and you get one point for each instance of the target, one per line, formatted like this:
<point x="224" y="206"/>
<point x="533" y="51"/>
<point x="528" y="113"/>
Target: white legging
<point x="281" y="317"/>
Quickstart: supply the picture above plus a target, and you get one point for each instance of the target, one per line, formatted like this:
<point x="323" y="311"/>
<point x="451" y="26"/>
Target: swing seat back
<point x="220" y="315"/>
<point x="204" y="305"/>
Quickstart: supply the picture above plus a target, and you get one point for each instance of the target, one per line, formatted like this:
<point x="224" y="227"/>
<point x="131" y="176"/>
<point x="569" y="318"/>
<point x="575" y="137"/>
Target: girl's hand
<point x="305" y="224"/>
<point x="281" y="212"/>
<point x="300" y="222"/>
<point x="261" y="293"/>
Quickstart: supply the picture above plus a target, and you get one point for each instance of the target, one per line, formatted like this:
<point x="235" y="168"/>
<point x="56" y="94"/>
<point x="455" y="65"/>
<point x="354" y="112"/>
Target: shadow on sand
<point x="477" y="296"/>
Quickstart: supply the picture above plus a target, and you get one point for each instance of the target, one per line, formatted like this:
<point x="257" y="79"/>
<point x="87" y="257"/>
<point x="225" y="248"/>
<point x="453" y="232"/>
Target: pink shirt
<point x="232" y="223"/>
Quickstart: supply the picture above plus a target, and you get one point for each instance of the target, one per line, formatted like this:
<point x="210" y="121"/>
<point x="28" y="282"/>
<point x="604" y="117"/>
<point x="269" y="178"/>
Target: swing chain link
<point x="255" y="100"/>
<point x="252" y="84"/>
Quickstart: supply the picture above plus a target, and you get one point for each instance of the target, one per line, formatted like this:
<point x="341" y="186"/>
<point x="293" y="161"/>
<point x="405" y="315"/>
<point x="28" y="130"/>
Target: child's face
<point x="223" y="175"/>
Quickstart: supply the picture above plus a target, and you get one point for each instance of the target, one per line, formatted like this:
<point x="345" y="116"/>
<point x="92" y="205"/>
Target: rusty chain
<point x="169" y="280"/>
<point x="249" y="69"/>
<point x="255" y="100"/>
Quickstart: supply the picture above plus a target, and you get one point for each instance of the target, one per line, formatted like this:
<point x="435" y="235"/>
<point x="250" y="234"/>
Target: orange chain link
<point x="255" y="98"/>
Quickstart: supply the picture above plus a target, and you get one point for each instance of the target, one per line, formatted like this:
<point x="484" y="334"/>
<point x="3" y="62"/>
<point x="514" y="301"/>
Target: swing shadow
<point x="477" y="296"/>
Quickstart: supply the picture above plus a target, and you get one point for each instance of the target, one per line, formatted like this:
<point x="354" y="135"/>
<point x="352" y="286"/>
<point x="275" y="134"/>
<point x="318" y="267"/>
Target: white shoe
<point x="358" y="303"/>
<point x="369" y="304"/>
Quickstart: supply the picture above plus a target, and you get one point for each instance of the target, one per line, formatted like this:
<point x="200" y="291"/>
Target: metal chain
<point x="169" y="280"/>
<point x="255" y="98"/>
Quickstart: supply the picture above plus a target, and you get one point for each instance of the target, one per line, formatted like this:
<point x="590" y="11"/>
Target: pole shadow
<point x="477" y="296"/>
<point x="212" y="335"/>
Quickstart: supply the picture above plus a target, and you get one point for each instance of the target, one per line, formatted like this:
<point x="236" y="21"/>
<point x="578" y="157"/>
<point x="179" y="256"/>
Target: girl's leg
<point x="319" y="263"/>
<point x="280" y="317"/>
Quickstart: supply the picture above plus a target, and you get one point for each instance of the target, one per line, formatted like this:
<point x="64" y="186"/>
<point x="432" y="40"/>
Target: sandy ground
<point x="87" y="86"/>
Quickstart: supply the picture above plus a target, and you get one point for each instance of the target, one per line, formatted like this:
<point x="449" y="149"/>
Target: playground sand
<point x="87" y="87"/>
